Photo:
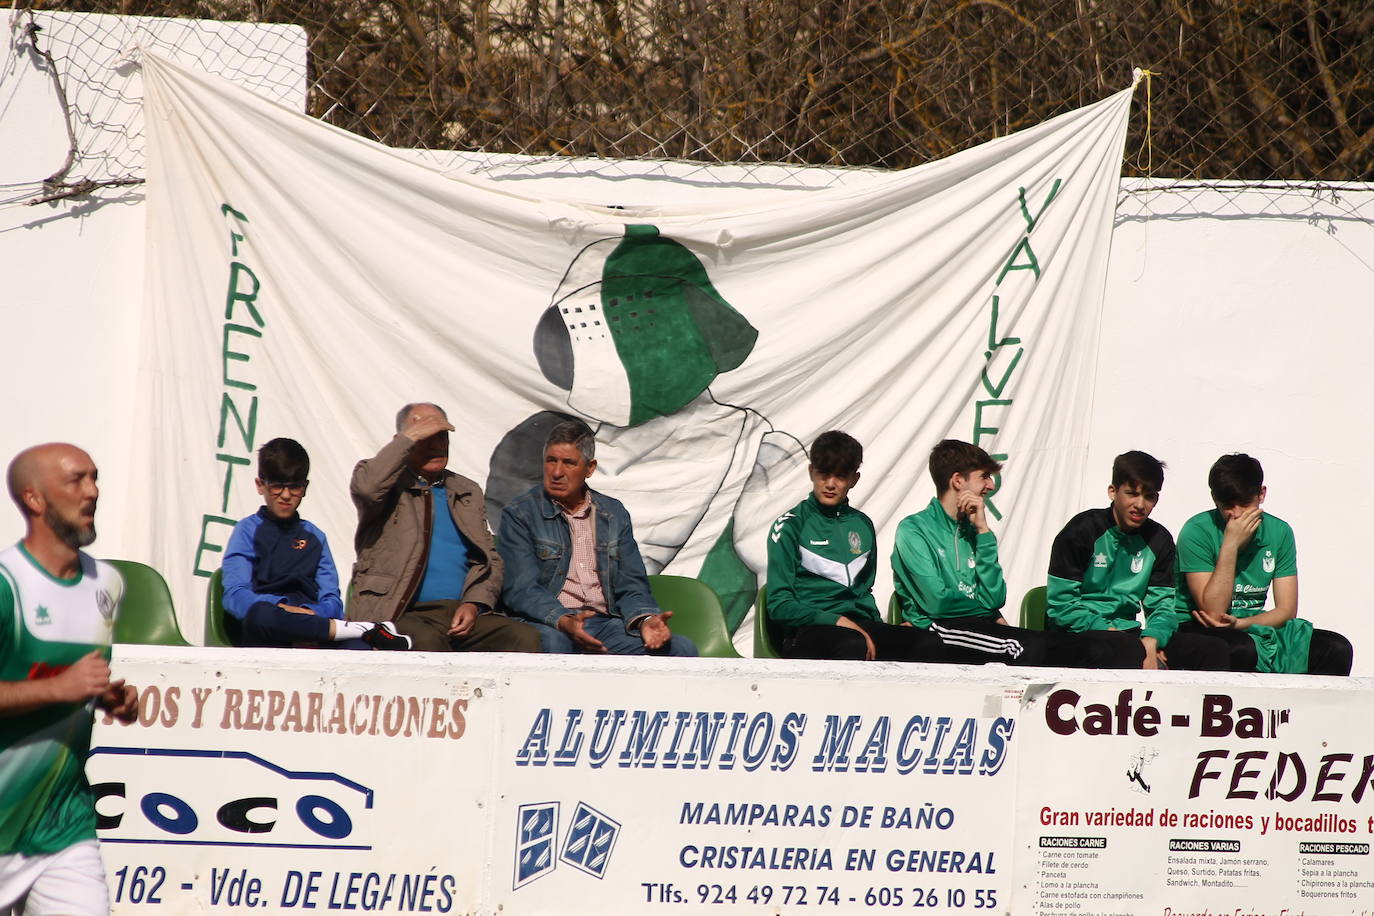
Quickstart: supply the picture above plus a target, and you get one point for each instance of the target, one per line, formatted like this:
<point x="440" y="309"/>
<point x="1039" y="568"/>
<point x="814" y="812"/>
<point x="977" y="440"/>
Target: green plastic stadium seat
<point x="147" y="616"/>
<point x="894" y="610"/>
<point x="1033" y="609"/>
<point x="215" y="633"/>
<point x="763" y="641"/>
<point x="697" y="614"/>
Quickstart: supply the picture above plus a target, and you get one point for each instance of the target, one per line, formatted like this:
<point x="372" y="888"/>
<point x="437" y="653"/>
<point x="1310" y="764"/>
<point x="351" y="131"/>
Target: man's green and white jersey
<point x="1271" y="554"/>
<point x="821" y="566"/>
<point x="943" y="568"/>
<point x="46" y="624"/>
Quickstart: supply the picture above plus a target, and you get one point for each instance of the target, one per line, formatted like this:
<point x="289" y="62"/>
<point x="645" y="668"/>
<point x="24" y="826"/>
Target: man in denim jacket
<point x="573" y="569"/>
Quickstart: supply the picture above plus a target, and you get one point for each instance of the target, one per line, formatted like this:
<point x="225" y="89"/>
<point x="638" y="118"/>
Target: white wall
<point x="72" y="274"/>
<point x="73" y="269"/>
<point x="1234" y="318"/>
<point x="1239" y="321"/>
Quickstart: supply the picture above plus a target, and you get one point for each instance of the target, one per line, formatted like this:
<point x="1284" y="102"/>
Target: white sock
<point x="350" y="629"/>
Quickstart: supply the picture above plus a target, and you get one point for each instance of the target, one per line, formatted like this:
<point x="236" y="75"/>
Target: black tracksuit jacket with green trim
<point x="1102" y="577"/>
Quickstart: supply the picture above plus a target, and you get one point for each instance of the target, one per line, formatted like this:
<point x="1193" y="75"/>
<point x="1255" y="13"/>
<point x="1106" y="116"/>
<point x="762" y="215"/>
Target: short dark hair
<point x="283" y="461"/>
<point x="1139" y="469"/>
<point x="1235" y="480"/>
<point x="575" y="433"/>
<point x="838" y="453"/>
<point x="953" y="456"/>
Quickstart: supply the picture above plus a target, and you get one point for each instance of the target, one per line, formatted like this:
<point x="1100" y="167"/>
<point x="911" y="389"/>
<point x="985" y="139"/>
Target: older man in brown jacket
<point x="426" y="558"/>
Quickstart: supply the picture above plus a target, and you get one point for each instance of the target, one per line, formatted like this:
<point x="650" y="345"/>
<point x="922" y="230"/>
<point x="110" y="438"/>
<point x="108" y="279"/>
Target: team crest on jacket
<point x="971" y="561"/>
<point x="855" y="545"/>
<point x="1268" y="561"/>
<point x="1100" y="561"/>
<point x="1137" y="563"/>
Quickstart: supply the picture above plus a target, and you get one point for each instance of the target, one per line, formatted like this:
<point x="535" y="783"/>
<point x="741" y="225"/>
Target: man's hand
<point x="1242" y="528"/>
<point x="870" y="653"/>
<point x="464" y="618"/>
<point x="420" y="428"/>
<point x="654" y="630"/>
<point x="571" y="625"/>
<point x="1220" y="622"/>
<point x="121" y="701"/>
<point x="1154" y="659"/>
<point x="1207" y="620"/>
<point x="296" y="609"/>
<point x="970" y="506"/>
<point x="88" y="676"/>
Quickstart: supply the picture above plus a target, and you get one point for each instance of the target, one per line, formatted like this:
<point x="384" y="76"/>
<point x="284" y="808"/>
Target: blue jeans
<point x="611" y="632"/>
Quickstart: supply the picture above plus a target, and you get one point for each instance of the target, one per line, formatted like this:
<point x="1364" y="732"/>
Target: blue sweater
<point x="279" y="562"/>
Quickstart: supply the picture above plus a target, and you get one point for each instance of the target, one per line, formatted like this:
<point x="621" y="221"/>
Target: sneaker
<point x="385" y="636"/>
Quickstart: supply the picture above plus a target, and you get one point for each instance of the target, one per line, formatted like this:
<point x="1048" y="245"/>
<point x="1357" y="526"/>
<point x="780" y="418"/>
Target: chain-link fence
<point x="1279" y="91"/>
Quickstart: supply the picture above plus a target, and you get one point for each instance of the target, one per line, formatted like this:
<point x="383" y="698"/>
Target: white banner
<point x="486" y="783"/>
<point x="1228" y="798"/>
<point x="312" y="780"/>
<point x="756" y="794"/>
<point x="306" y="282"/>
<point x="287" y="785"/>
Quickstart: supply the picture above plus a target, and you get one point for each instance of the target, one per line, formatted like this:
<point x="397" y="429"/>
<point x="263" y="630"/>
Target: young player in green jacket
<point x="822" y="560"/>
<point x="949" y="581"/>
<point x="1228" y="558"/>
<point x="1108" y="567"/>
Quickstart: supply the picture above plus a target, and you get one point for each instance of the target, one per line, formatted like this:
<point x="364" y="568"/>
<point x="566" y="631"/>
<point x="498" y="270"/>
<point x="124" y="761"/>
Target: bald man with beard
<point x="57" y="611"/>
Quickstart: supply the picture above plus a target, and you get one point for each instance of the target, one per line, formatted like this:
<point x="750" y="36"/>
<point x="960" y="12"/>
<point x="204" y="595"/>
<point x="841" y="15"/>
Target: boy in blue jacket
<point x="281" y="587"/>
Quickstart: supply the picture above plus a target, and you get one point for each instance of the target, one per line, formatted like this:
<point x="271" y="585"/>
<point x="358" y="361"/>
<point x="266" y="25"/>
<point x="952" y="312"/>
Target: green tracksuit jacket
<point x="943" y="568"/>
<point x="821" y="566"/>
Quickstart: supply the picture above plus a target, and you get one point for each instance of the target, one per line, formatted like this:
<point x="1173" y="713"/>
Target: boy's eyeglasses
<point x="295" y="488"/>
